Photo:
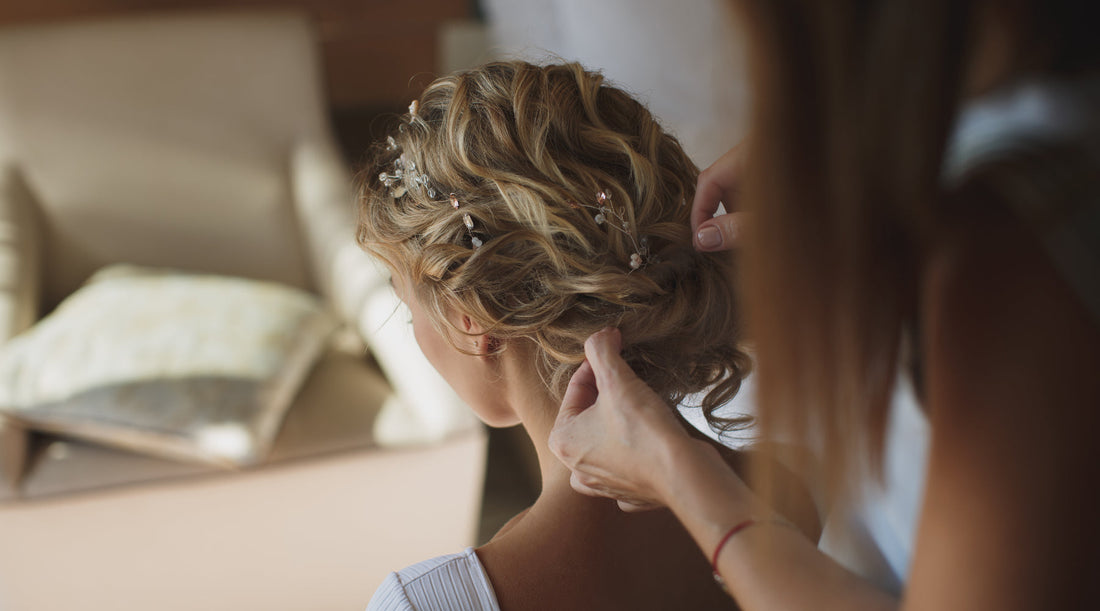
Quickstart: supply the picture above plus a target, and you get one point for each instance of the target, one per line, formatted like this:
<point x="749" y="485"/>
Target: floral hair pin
<point x="606" y="214"/>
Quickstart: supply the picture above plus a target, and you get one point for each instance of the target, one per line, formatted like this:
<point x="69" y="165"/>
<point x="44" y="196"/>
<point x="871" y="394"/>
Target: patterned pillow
<point x="180" y="365"/>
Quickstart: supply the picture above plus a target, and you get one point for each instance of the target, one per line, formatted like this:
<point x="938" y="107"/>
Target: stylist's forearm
<point x="701" y="489"/>
<point x="766" y="566"/>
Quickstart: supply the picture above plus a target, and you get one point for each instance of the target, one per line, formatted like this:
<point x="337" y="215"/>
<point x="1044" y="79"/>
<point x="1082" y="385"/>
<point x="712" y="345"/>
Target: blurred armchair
<point x="199" y="143"/>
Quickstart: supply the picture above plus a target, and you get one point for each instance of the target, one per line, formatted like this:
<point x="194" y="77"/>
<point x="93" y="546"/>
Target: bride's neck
<point x="537" y="418"/>
<point x="536" y="410"/>
<point x="558" y="508"/>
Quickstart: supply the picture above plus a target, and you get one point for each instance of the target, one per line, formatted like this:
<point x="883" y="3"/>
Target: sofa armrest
<point x="324" y="204"/>
<point x="425" y="408"/>
<point x="20" y="278"/>
<point x="20" y="282"/>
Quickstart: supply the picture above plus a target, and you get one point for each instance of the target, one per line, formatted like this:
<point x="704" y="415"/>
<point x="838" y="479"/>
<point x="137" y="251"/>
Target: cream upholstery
<point x="20" y="278"/>
<point x="130" y="166"/>
<point x="20" y="265"/>
<point x="199" y="142"/>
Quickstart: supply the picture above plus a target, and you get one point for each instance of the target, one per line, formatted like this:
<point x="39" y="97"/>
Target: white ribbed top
<point x="455" y="582"/>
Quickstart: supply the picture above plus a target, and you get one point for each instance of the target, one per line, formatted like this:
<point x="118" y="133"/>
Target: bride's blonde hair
<point x="524" y="151"/>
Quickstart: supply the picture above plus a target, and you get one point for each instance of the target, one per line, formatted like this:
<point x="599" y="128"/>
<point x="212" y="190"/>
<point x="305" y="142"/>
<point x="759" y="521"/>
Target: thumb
<point x="583" y="387"/>
<point x="720" y="233"/>
<point x="580" y="394"/>
<point x="602" y="350"/>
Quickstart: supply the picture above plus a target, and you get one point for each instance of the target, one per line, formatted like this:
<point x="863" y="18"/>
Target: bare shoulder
<point x="1012" y="361"/>
<point x="1000" y="323"/>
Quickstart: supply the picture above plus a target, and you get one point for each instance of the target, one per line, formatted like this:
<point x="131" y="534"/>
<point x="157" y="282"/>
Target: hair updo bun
<point x="546" y="205"/>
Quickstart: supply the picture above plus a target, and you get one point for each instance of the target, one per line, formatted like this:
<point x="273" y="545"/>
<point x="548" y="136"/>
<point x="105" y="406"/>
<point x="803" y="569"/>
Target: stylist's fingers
<point x="567" y="437"/>
<point x="602" y="350"/>
<point x="577" y="482"/>
<point x="591" y="486"/>
<point x="719" y="233"/>
<point x="580" y="394"/>
<point x="636" y="506"/>
<point x="716" y="184"/>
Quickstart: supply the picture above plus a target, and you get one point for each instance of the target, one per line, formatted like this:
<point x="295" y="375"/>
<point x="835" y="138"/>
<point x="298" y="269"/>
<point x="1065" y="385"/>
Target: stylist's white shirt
<point x="873" y="536"/>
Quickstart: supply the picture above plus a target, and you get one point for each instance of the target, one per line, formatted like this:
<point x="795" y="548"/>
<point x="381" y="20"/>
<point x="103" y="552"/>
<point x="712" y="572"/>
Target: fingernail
<point x="709" y="237"/>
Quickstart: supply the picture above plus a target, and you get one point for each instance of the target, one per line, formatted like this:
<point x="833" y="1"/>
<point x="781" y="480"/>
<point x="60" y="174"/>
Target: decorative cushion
<point x="179" y="365"/>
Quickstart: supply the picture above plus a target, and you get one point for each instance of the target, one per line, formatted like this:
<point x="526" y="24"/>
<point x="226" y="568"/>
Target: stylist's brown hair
<point x="853" y="103"/>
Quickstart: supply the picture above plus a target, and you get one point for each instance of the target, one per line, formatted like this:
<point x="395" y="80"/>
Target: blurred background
<point x="206" y="399"/>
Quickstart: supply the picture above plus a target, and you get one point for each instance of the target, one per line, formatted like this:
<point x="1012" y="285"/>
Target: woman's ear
<point x="469" y="325"/>
<point x="484" y="345"/>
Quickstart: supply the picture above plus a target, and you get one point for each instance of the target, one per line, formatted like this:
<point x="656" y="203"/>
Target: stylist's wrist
<point x="701" y="482"/>
<point x="677" y="453"/>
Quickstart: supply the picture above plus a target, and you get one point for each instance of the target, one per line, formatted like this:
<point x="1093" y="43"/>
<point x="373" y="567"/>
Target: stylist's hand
<point x="717" y="184"/>
<point x="612" y="430"/>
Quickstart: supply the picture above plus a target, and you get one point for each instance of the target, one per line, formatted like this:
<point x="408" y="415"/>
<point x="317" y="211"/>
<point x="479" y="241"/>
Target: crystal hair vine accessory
<point x="468" y="221"/>
<point x="606" y="214"/>
<point x="406" y="172"/>
<point x="405" y="169"/>
<point x="395" y="182"/>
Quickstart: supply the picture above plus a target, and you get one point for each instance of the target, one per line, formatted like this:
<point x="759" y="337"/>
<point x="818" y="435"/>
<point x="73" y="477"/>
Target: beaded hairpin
<point x="467" y="220"/>
<point x="404" y="168"/>
<point x="606" y="214"/>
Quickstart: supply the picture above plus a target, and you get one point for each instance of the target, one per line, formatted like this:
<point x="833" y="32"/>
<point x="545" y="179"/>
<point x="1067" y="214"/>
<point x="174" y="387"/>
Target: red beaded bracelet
<point x="721" y="543"/>
<point x="774" y="519"/>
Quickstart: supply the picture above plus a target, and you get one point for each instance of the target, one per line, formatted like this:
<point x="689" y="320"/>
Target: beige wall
<point x="370" y="47"/>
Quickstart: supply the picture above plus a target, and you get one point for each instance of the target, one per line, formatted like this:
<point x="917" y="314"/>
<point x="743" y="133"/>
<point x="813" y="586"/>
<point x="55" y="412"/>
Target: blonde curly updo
<point x="524" y="150"/>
